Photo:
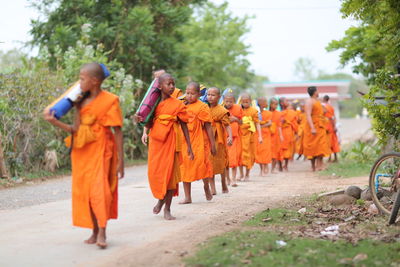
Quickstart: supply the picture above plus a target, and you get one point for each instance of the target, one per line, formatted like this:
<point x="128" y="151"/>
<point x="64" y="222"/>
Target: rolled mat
<point x="149" y="103"/>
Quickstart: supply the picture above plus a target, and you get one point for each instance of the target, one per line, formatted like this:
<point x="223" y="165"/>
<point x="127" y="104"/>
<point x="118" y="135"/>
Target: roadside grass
<point x="276" y="216"/>
<point x="347" y="168"/>
<point x="260" y="248"/>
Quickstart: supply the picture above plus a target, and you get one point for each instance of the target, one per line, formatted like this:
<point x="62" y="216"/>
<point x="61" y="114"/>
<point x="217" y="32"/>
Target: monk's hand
<point x="260" y="140"/>
<point x="121" y="170"/>
<point x="137" y="118"/>
<point x="213" y="150"/>
<point x="229" y="141"/>
<point x="48" y="115"/>
<point x="144" y="138"/>
<point x="313" y="131"/>
<point x="190" y="153"/>
<point x="281" y="137"/>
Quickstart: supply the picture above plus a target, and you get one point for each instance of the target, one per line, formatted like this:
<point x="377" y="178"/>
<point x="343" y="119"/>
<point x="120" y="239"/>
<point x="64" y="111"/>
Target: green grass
<point x="259" y="248"/>
<point x="276" y="216"/>
<point x="347" y="168"/>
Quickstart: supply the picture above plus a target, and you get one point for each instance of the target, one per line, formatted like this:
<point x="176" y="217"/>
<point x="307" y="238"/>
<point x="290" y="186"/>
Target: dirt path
<point x="42" y="235"/>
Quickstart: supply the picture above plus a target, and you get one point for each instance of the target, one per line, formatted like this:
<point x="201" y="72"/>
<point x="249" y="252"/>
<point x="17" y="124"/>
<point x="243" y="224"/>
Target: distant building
<point x="336" y="90"/>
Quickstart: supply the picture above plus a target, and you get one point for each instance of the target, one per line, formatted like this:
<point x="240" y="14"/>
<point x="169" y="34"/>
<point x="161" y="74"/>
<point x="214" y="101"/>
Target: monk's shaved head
<point x="194" y="85"/>
<point x="229" y="95"/>
<point x="215" y="89"/>
<point x="94" y="70"/>
<point x="245" y="96"/>
<point x="164" y="77"/>
<point x="262" y="98"/>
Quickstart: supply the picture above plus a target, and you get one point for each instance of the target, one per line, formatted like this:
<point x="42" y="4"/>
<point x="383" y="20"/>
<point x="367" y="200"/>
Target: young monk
<point x="157" y="73"/>
<point x="97" y="155"/>
<point x="165" y="146"/>
<point x="301" y="121"/>
<point x="276" y="135"/>
<point x="331" y="128"/>
<point x="263" y="150"/>
<point x="235" y="150"/>
<point x="202" y="140"/>
<point x="248" y="129"/>
<point x="314" y="140"/>
<point x="289" y="130"/>
<point x="221" y="129"/>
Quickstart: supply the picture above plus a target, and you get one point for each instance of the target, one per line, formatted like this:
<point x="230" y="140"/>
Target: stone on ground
<point x="342" y="199"/>
<point x="353" y="191"/>
<point x="366" y="195"/>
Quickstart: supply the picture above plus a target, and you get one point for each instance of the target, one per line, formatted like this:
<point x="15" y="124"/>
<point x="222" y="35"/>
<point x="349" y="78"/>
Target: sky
<point x="280" y="32"/>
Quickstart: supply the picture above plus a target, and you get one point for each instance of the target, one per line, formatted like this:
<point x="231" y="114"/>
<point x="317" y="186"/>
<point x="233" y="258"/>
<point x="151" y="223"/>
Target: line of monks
<point x="187" y="141"/>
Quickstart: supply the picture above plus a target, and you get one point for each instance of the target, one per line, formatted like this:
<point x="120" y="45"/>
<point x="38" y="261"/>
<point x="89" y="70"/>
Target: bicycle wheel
<point x="382" y="181"/>
<point x="395" y="209"/>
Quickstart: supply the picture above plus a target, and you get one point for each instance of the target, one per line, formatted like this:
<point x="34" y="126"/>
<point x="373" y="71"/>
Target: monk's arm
<point x="119" y="140"/>
<point x="187" y="138"/>
<point x="211" y="138"/>
<point x="308" y="109"/>
<point x="258" y="126"/>
<point x="229" y="131"/>
<point x="49" y="116"/>
<point x="144" y="135"/>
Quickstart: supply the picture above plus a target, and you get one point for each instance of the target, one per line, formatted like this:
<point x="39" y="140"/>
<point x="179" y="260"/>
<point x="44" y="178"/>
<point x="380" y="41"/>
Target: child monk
<point x="314" y="140"/>
<point x="333" y="140"/>
<point x="276" y="135"/>
<point x="202" y="140"/>
<point x="301" y="121"/>
<point x="248" y="128"/>
<point x="157" y="73"/>
<point x="165" y="146"/>
<point x="235" y="150"/>
<point x="289" y="130"/>
<point x="96" y="156"/>
<point x="263" y="150"/>
<point x="221" y="129"/>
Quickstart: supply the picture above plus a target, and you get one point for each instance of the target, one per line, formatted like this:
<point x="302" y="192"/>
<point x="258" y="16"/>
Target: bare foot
<point x="92" y="239"/>
<point x="185" y="201"/>
<point x="168" y="216"/>
<point x="234" y="185"/>
<point x="247" y="178"/>
<point x="209" y="196"/>
<point x="101" y="241"/>
<point x="214" y="193"/>
<point x="225" y="191"/>
<point x="285" y="169"/>
<point x="157" y="208"/>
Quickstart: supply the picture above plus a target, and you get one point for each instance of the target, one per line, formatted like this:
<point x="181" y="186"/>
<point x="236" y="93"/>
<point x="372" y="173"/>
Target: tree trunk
<point x="3" y="168"/>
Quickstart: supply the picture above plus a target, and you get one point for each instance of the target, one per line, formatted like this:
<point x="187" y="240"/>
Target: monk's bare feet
<point x="247" y="178"/>
<point x="214" y="193"/>
<point x="207" y="191"/>
<point x="157" y="208"/>
<point x="168" y="216"/>
<point x="185" y="201"/>
<point x="234" y="185"/>
<point x="101" y="240"/>
<point x="92" y="239"/>
<point x="285" y="168"/>
<point x="225" y="191"/>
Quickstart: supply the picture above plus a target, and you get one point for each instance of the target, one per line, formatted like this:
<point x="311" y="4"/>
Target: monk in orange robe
<point x="165" y="146"/>
<point x="314" y="140"/>
<point x="203" y="143"/>
<point x="235" y="150"/>
<point x="263" y="150"/>
<point x="97" y="155"/>
<point x="221" y="129"/>
<point x="250" y="125"/>
<point x="289" y="130"/>
<point x="302" y="120"/>
<point x="276" y="135"/>
<point x="331" y="127"/>
<point x="177" y="92"/>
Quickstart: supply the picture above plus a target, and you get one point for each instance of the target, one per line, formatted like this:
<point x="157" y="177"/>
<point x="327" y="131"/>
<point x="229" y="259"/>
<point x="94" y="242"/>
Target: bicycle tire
<point x="374" y="169"/>
<point x="395" y="209"/>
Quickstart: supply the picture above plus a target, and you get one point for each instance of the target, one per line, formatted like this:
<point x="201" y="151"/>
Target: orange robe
<point x="220" y="116"/>
<point x="333" y="140"/>
<point x="315" y="145"/>
<point x="94" y="162"/>
<point x="263" y="151"/>
<point x="248" y="130"/>
<point x="275" y="138"/>
<point x="302" y="120"/>
<point x="201" y="167"/>
<point x="289" y="130"/>
<point x="177" y="93"/>
<point x="165" y="146"/>
<point x="235" y="150"/>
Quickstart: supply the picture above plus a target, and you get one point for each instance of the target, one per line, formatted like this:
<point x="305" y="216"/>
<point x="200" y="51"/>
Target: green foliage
<point x="215" y="52"/>
<point x="276" y="216"/>
<point x="141" y="35"/>
<point x="259" y="248"/>
<point x="304" y="68"/>
<point x="384" y="122"/>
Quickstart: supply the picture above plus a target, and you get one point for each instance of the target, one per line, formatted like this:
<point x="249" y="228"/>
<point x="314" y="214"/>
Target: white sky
<point x="281" y="32"/>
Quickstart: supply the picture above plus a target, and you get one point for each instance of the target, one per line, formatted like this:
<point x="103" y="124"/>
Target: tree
<point x="141" y="35"/>
<point x="304" y="68"/>
<point x="374" y="47"/>
<point x="214" y="48"/>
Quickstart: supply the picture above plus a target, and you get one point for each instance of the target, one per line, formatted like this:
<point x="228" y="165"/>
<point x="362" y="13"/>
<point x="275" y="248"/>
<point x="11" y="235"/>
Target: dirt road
<point x="39" y="232"/>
